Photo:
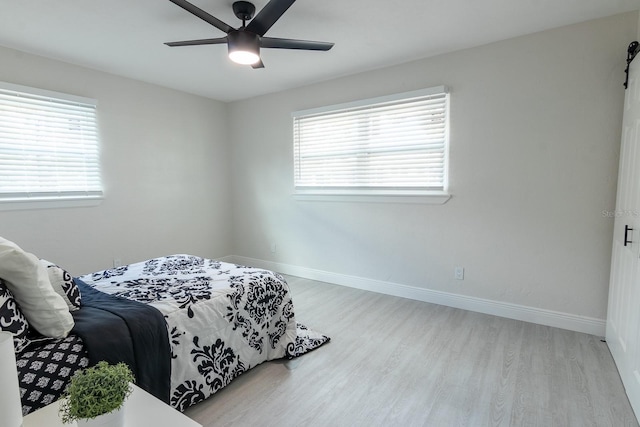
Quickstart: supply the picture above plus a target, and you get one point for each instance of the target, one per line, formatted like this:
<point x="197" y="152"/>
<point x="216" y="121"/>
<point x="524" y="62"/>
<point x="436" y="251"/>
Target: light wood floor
<point x="397" y="362"/>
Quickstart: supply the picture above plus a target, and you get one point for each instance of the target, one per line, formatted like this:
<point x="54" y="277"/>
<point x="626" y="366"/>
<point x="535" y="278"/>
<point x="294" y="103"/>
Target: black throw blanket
<point x="116" y="329"/>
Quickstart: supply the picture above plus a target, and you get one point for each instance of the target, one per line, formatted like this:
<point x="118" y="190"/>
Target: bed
<point x="187" y="325"/>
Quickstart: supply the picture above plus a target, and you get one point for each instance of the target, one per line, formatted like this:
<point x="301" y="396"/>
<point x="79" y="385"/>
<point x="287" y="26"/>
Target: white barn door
<point x="623" y="315"/>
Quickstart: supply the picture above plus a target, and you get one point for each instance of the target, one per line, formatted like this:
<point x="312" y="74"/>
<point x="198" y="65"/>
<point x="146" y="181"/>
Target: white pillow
<point x="28" y="281"/>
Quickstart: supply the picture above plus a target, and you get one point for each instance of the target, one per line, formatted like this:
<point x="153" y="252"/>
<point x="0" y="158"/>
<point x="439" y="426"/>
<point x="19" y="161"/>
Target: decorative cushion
<point x="63" y="284"/>
<point x="45" y="370"/>
<point x="12" y="320"/>
<point x="28" y="281"/>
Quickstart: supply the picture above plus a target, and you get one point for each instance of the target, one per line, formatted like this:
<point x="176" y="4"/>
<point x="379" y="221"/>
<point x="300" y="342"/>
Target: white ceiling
<point x="125" y="37"/>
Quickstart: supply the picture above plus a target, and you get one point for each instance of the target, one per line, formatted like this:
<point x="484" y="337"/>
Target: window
<point x="48" y="146"/>
<point x="388" y="146"/>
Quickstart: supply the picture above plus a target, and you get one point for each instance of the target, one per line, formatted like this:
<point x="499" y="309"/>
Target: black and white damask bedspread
<point x="223" y="319"/>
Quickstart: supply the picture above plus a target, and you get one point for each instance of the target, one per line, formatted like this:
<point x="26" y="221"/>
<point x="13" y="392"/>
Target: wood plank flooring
<point x="398" y="362"/>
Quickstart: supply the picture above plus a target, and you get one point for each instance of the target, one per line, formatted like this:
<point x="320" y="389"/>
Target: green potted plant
<point x="95" y="395"/>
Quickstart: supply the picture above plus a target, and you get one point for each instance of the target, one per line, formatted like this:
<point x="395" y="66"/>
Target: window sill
<point x="43" y="203"/>
<point x="427" y="199"/>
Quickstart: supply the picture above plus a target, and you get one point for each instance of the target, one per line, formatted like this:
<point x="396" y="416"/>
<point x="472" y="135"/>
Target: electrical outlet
<point x="117" y="262"/>
<point x="273" y="248"/>
<point x="459" y="273"/>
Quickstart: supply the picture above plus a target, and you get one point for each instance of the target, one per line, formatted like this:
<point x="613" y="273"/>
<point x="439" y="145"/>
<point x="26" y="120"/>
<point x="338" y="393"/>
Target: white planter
<point x="111" y="419"/>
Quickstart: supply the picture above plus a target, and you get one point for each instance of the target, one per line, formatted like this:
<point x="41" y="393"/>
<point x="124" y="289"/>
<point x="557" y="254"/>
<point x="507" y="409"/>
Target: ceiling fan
<point x="244" y="43"/>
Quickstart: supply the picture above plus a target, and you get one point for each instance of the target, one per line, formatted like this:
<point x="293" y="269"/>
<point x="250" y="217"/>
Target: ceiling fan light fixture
<point x="244" y="57"/>
<point x="244" y="47"/>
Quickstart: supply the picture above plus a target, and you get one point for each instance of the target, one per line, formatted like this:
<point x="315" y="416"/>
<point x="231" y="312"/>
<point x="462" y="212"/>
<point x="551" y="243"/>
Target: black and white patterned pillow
<point x="63" y="284"/>
<point x="45" y="370"/>
<point x="12" y="320"/>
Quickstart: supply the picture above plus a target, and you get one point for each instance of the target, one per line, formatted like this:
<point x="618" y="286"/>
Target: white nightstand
<point x="140" y="410"/>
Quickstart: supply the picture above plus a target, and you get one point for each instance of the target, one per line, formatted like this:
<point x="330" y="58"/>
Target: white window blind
<point x="388" y="145"/>
<point x="48" y="146"/>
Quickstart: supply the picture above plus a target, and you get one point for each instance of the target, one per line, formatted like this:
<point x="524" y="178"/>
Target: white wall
<point x="535" y="134"/>
<point x="164" y="166"/>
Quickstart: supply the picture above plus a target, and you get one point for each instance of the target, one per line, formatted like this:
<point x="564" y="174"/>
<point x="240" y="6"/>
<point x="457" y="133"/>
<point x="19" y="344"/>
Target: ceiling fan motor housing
<point x="243" y="41"/>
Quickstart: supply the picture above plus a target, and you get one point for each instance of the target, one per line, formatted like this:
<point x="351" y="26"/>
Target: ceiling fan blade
<point x="276" y="43"/>
<point x="203" y="15"/>
<point x="258" y="64"/>
<point x="219" y="40"/>
<point x="268" y="16"/>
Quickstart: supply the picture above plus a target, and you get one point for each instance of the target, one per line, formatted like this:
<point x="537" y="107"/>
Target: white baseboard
<point x="572" y="322"/>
